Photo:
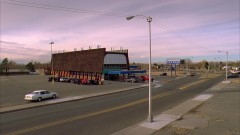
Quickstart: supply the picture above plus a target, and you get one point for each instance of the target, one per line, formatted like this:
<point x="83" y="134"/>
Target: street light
<point x="149" y="19"/>
<point x="226" y="63"/>
<point x="214" y="64"/>
<point x="189" y="71"/>
<point x="51" y="58"/>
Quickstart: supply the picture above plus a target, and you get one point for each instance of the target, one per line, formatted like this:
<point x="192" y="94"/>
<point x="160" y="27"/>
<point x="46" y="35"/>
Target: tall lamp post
<point x="189" y="71"/>
<point x="149" y="19"/>
<point x="51" y="58"/>
<point x="214" y="65"/>
<point x="226" y="63"/>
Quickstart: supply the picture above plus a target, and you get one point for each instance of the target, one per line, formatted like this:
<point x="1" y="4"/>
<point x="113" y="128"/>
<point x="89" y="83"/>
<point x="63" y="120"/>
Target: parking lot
<point x="14" y="88"/>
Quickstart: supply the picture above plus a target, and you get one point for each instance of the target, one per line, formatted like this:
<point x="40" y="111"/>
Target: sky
<point x="195" y="29"/>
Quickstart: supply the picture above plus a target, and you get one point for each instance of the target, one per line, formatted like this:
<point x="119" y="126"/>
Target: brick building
<point x="90" y="64"/>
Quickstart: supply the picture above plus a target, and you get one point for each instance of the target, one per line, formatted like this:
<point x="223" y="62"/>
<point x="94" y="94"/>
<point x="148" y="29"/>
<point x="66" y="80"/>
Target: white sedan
<point x="39" y="95"/>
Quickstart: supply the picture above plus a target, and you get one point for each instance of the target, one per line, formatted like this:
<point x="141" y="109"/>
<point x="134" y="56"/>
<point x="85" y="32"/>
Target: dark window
<point x="42" y="92"/>
<point x="47" y="92"/>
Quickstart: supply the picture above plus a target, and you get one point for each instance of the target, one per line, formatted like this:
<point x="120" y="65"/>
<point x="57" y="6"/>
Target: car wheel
<point x="54" y="96"/>
<point x="39" y="99"/>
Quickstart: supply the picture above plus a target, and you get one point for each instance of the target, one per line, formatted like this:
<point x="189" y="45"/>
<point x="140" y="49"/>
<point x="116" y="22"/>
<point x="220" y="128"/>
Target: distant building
<point x="92" y="64"/>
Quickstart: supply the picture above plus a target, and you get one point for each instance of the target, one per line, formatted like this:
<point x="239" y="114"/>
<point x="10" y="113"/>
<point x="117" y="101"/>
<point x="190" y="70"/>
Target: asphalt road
<point x="13" y="88"/>
<point x="102" y="115"/>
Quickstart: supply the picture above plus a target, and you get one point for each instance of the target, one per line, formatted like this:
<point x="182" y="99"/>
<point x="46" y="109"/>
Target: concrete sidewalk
<point x="219" y="115"/>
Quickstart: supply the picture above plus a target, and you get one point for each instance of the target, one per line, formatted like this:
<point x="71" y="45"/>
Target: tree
<point x="205" y="64"/>
<point x="4" y="65"/>
<point x="12" y="65"/>
<point x="30" y="67"/>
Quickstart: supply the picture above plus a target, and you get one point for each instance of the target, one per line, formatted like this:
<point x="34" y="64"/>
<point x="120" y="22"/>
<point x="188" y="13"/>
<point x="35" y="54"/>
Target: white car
<point x="64" y="79"/>
<point x="39" y="95"/>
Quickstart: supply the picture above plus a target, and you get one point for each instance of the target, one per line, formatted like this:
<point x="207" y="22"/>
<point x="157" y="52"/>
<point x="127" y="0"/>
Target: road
<point x="102" y="115"/>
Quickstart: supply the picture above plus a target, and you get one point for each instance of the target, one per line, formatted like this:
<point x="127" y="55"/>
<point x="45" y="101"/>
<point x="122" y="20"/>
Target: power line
<point x="179" y="35"/>
<point x="60" y="8"/>
<point x="84" y="11"/>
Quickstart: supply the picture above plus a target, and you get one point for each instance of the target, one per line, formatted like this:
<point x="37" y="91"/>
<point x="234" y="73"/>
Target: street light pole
<point x="150" y="117"/>
<point x="214" y="65"/>
<point x="149" y="20"/>
<point x="189" y="60"/>
<point x="226" y="64"/>
<point x="51" y="58"/>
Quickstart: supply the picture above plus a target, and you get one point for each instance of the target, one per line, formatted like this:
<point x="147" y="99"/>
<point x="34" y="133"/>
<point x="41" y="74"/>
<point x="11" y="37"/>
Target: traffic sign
<point x="173" y="62"/>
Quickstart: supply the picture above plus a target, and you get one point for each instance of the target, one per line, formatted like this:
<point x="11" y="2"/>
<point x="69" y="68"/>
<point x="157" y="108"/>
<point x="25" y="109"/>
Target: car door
<point x="48" y="94"/>
<point x="43" y="94"/>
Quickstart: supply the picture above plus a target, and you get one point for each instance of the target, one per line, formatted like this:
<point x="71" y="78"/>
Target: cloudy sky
<point x="195" y="29"/>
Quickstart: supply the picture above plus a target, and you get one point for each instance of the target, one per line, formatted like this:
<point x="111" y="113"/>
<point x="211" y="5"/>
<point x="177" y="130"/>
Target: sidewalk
<point x="214" y="112"/>
<point x="219" y="115"/>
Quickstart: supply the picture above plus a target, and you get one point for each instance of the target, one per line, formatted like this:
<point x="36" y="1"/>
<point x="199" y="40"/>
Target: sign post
<point x="171" y="62"/>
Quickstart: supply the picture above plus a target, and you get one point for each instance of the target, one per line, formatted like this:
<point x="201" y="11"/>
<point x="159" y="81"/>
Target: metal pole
<point x="52" y="61"/>
<point x="187" y="67"/>
<point x="214" y="65"/>
<point x="175" y="68"/>
<point x="52" y="58"/>
<point x="150" y="118"/>
<point x="149" y="19"/>
<point x="226" y="64"/>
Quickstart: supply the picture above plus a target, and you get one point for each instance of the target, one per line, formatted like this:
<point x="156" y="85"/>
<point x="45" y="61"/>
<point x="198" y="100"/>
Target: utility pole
<point x="149" y="20"/>
<point x="52" y="62"/>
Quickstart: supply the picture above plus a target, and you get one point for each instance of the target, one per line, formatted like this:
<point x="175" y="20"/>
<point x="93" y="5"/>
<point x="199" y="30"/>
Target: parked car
<point x="191" y="74"/>
<point x="163" y="74"/>
<point x="39" y="95"/>
<point x="132" y="79"/>
<point x="75" y="80"/>
<point x="50" y="79"/>
<point x="56" y="79"/>
<point x="65" y="79"/>
<point x="93" y="82"/>
<point x="84" y="81"/>
<point x="145" y="78"/>
<point x="233" y="76"/>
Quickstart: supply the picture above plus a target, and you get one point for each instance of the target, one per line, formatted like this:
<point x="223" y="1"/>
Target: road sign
<point x="173" y="62"/>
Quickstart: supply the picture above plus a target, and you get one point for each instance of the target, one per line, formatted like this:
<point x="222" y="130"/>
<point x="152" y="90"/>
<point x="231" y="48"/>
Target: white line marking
<point x="203" y="97"/>
<point x="157" y="85"/>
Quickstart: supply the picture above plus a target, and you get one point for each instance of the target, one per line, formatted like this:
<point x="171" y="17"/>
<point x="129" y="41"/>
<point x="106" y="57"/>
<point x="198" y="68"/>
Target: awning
<point x="127" y="72"/>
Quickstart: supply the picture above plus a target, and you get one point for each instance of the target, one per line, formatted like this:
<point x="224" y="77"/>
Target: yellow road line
<point x="192" y="84"/>
<point x="100" y="112"/>
<point x="91" y="114"/>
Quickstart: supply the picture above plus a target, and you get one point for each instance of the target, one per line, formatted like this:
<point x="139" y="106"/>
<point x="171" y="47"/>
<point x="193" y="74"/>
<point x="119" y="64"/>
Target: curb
<point x="169" y="116"/>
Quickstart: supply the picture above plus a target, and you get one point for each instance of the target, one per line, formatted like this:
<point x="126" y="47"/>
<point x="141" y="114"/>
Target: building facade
<point x="89" y="64"/>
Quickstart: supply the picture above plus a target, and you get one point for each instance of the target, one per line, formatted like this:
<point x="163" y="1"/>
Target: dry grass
<point x="179" y="131"/>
